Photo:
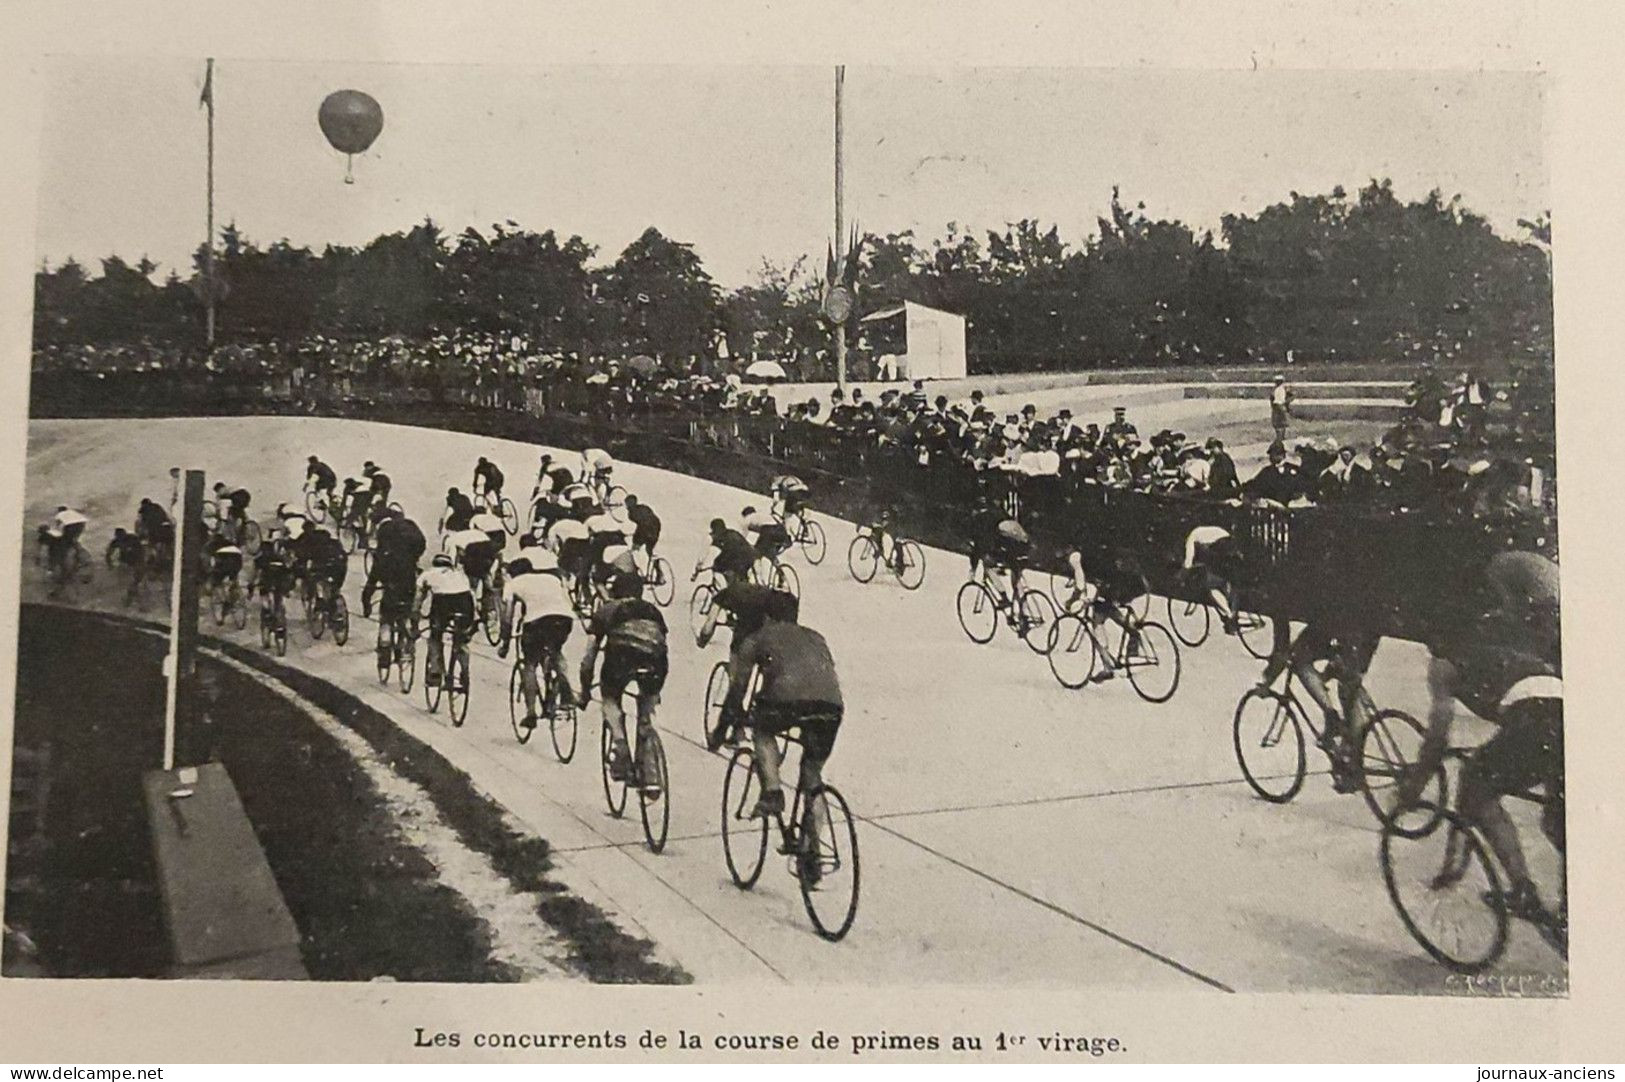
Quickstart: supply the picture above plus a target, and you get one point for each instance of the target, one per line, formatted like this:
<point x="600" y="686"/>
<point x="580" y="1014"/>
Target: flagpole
<point x="208" y="249"/>
<point x="840" y="226"/>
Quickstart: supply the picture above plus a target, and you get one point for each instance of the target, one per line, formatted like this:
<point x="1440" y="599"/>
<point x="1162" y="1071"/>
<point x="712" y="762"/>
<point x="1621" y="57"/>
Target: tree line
<point x="1331" y="277"/>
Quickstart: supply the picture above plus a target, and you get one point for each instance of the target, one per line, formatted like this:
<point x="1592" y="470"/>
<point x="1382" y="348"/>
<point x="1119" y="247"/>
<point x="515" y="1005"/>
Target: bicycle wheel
<point x="829" y="873"/>
<point x="1268" y="736"/>
<point x="662" y="582"/>
<point x="911" y="571"/>
<point x="279" y="638"/>
<point x="219" y="601"/>
<point x="1446" y="890"/>
<point x="406" y="661"/>
<point x="251" y="537"/>
<point x="509" y="515"/>
<point x="1037" y="617"/>
<point x="1152" y="659"/>
<point x="561" y="721"/>
<point x="1257" y="634"/>
<point x="744" y="840"/>
<point x="615" y="501"/>
<point x="813" y="542"/>
<point x="341" y="620"/>
<point x="1191" y="620"/>
<point x="516" y="705"/>
<point x="716" y="690"/>
<point x="654" y="807"/>
<point x="862" y="559"/>
<point x="434" y="686"/>
<point x="786" y="579"/>
<point x="239" y="611"/>
<point x="1390" y="743"/>
<point x="1071" y="651"/>
<point x="349" y="537"/>
<point x="316" y="507"/>
<point x="699" y="607"/>
<point x="978" y="615"/>
<point x="383" y="654"/>
<point x="459" y="689"/>
<point x="366" y="562"/>
<point x="265" y="629"/>
<point x="316" y="618"/>
<point x="491" y="614"/>
<point x="614" y="791"/>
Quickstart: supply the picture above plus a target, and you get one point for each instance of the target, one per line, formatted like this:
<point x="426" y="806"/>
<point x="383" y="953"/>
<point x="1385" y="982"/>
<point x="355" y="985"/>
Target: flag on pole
<point x="207" y="97"/>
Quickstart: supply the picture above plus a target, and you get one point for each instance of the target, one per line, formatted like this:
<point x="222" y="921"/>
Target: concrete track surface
<point x="1013" y="833"/>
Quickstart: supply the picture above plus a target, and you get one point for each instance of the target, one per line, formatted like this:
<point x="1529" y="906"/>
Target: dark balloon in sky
<point x="351" y="120"/>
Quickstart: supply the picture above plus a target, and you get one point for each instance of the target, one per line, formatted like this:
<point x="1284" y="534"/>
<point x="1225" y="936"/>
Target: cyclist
<point x="353" y="503"/>
<point x="1118" y="582"/>
<point x="568" y="540"/>
<point x="323" y="561"/>
<point x="645" y="527"/>
<point x="534" y="588"/>
<point x="799" y="689"/>
<point x="232" y="503"/>
<point x="1349" y="652"/>
<point x="544" y="478"/>
<point x="397" y="549"/>
<point x="604" y="535"/>
<point x="747" y="606"/>
<point x="729" y="556"/>
<point x="225" y="559"/>
<point x="772" y="539"/>
<point x="487" y="482"/>
<point x="451" y="608"/>
<point x="1210" y="550"/>
<point x="273" y="573"/>
<point x="1505" y="666"/>
<point x="154" y="527"/>
<point x="61" y="536"/>
<point x="319" y="477"/>
<point x="632" y="635"/>
<point x="999" y="544"/>
<point x="378" y="489"/>
<point x="882" y="518"/>
<point x="473" y="551"/>
<point x="789" y="494"/>
<point x="127" y="550"/>
<point x="596" y="468"/>
<point x="459" y="511"/>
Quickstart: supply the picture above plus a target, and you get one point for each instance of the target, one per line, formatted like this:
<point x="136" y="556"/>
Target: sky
<point x="738" y="161"/>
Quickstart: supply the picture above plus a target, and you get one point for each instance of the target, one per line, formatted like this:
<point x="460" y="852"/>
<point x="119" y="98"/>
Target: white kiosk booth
<point x="930" y="342"/>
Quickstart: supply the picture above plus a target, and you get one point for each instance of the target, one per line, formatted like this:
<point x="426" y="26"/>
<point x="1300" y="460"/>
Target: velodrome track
<point x="1013" y="832"/>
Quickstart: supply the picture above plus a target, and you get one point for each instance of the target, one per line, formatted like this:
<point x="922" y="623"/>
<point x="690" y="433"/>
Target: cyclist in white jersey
<point x="568" y="541"/>
<point x="537" y="597"/>
<point x="1209" y="548"/>
<point x="451" y="607"/>
<point x="473" y="551"/>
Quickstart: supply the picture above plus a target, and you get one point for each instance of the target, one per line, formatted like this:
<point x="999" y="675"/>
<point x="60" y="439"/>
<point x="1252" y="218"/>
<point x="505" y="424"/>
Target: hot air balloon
<point x="351" y="120"/>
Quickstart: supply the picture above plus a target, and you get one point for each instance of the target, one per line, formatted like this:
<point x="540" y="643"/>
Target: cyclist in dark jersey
<point x="487" y="481"/>
<point x="730" y="555"/>
<point x="319" y="477"/>
<point x="273" y="571"/>
<point x="1506" y="667"/>
<point x="1349" y="650"/>
<point x="646" y="525"/>
<point x="396" y="551"/>
<point x="747" y="606"/>
<point x="632" y="635"/>
<point x="798" y="690"/>
<point x="459" y="511"/>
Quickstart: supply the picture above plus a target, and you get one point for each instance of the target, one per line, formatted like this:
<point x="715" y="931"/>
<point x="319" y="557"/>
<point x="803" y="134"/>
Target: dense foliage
<point x="1330" y="277"/>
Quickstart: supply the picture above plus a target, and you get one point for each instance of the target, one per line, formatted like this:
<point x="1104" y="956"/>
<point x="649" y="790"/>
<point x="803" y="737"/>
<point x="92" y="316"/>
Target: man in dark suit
<point x="1221" y="475"/>
<point x="1344" y="480"/>
<point x="1279" y="482"/>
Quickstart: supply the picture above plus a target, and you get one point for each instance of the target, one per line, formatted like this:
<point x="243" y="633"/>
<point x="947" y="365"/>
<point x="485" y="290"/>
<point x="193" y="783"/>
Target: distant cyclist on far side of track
<point x="597" y="467"/>
<point x="487" y="484"/>
<point x="772" y="539"/>
<point x="319" y="477"/>
<point x="790" y="496"/>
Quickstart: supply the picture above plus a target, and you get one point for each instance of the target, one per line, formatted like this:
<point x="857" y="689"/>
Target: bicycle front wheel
<point x="341" y="620"/>
<point x="978" y="615"/>
<point x="614" y="791"/>
<point x="786" y="579"/>
<point x="662" y="584"/>
<point x="716" y="690"/>
<point x="316" y="507"/>
<point x="828" y="871"/>
<point x="1038" y="615"/>
<point x="1257" y="634"/>
<point x="491" y="614"/>
<point x="699" y="607"/>
<point x="509" y="515"/>
<point x="561" y="722"/>
<point x="1152" y="658"/>
<point x="654" y="791"/>
<point x="744" y="840"/>
<point x="406" y="661"/>
<point x="862" y="558"/>
<point x="1446" y="890"/>
<point x="1268" y="737"/>
<point x="1390" y="745"/>
<point x="813" y="542"/>
<point x="516" y="704"/>
<point x="911" y="564"/>
<point x="1191" y="620"/>
<point x="458" y="691"/>
<point x="239" y="613"/>
<point x="1071" y="651"/>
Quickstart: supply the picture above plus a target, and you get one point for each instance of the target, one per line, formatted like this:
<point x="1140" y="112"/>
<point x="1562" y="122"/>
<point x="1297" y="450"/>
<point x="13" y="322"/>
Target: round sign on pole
<point x="838" y="305"/>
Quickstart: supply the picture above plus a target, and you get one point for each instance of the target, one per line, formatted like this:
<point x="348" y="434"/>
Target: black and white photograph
<point x="913" y="525"/>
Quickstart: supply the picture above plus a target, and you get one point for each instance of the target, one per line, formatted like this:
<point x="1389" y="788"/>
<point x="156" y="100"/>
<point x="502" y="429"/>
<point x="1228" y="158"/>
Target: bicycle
<point x="73" y="566"/>
<point x="248" y="529"/>
<point x="273" y="625"/>
<point x="1192" y="621"/>
<point x="229" y="602"/>
<point x="396" y="652"/>
<point x="1144" y="650"/>
<point x="819" y="851"/>
<point x="452" y="681"/>
<point x="1267" y="733"/>
<point x="557" y="708"/>
<point x="808" y="534"/>
<point x="328" y="609"/>
<point x="981" y="602"/>
<point x="774" y="572"/>
<point x="610" y="496"/>
<point x="701" y="600"/>
<point x="1466" y="930"/>
<point x="906" y="561"/>
<point x="501" y="506"/>
<point x="652" y="792"/>
<point x="660" y="580"/>
<point x="318" y="503"/>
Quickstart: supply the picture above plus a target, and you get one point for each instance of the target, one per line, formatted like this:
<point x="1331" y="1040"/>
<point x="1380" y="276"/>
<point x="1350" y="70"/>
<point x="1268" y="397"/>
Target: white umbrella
<point x="765" y="370"/>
